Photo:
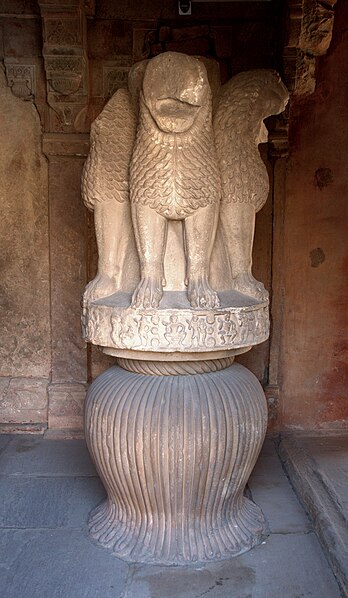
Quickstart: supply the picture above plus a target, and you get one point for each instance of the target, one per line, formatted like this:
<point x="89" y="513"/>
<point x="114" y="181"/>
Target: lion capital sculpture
<point x="160" y="156"/>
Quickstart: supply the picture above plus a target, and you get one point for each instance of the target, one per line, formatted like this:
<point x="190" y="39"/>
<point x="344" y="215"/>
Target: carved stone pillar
<point x="174" y="444"/>
<point x="176" y="426"/>
<point x="68" y="231"/>
<point x="65" y="143"/>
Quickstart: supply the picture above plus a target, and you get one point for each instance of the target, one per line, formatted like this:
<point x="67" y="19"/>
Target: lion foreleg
<point x="200" y="230"/>
<point x="150" y="230"/>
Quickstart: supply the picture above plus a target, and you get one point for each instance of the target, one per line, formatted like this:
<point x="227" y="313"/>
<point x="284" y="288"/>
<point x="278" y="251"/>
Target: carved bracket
<point x="278" y="135"/>
<point x="21" y="78"/>
<point x="115" y="75"/>
<point x="66" y="64"/>
<point x="309" y="33"/>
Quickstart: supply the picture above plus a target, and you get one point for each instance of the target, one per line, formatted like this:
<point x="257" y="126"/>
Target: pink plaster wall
<point x="314" y="370"/>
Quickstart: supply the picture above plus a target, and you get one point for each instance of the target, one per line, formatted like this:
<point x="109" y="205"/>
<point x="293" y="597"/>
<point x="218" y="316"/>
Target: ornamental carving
<point x="21" y="78"/>
<point x="114" y="78"/>
<point x="66" y="66"/>
<point x="64" y="74"/>
<point x="163" y="165"/>
<point x="308" y="35"/>
<point x="62" y="32"/>
<point x="175" y="329"/>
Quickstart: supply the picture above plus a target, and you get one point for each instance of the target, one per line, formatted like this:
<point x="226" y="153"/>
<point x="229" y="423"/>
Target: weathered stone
<point x="258" y="94"/>
<point x="184" y="33"/>
<point x="284" y="565"/>
<point x="305" y="74"/>
<point x="23" y="400"/>
<point x="24" y="319"/>
<point x="236" y="207"/>
<point x="197" y="46"/>
<point x="65" y="406"/>
<point x="67" y="565"/>
<point x="26" y="455"/>
<point x="155" y="160"/>
<point x="47" y="502"/>
<point x="115" y="75"/>
<point x="309" y="33"/>
<point x="317" y="24"/>
<point x="317" y="467"/>
<point x="66" y="65"/>
<point x="174" y="327"/>
<point x="67" y="245"/>
<point x="21" y="78"/>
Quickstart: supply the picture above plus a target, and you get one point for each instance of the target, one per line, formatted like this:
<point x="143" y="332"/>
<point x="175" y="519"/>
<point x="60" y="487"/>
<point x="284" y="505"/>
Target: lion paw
<point x="101" y="286"/>
<point x="248" y="285"/>
<point x="148" y="293"/>
<point x="201" y="295"/>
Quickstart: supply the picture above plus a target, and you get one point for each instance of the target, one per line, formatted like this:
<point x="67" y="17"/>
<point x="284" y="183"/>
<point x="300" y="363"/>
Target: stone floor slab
<point x="271" y="490"/>
<point x="28" y="502"/>
<point x="4" y="441"/>
<point x="331" y="456"/>
<point x="38" y="456"/>
<point x="266" y="463"/>
<point x="315" y="468"/>
<point x="57" y="564"/>
<point x="275" y="496"/>
<point x="285" y="566"/>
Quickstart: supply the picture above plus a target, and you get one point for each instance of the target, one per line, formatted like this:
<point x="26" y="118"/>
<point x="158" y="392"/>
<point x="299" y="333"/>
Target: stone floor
<point x="318" y="469"/>
<point x="47" y="488"/>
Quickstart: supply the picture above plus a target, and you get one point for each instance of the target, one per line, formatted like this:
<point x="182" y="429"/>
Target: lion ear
<point x="135" y="82"/>
<point x="263" y="134"/>
<point x="213" y="72"/>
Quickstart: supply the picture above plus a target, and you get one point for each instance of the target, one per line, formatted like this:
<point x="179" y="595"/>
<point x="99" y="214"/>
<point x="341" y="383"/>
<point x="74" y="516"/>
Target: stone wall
<point x="62" y="65"/>
<point x="25" y="356"/>
<point x="314" y="366"/>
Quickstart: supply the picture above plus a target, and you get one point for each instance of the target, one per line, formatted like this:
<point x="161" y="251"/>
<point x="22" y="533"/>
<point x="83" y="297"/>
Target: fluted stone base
<point x="174" y="447"/>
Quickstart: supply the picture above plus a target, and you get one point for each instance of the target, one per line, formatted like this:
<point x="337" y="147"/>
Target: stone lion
<point x="158" y="155"/>
<point x="174" y="175"/>
<point x="243" y="104"/>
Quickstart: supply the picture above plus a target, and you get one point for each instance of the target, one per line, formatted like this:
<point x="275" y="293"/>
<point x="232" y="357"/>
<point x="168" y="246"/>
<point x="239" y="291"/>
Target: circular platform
<point x="175" y="329"/>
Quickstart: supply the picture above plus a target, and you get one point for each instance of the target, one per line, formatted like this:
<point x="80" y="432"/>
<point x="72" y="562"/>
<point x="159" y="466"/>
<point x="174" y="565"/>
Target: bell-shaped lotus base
<point x="174" y="447"/>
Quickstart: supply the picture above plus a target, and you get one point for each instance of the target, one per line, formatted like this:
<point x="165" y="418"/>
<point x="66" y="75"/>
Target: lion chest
<point x="175" y="178"/>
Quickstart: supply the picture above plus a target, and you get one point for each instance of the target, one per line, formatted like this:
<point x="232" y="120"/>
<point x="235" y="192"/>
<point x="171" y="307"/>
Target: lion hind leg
<point x="109" y="221"/>
<point x="238" y="226"/>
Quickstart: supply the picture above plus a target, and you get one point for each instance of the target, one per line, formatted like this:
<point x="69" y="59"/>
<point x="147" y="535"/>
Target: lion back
<point x="105" y="175"/>
<point x="235" y="119"/>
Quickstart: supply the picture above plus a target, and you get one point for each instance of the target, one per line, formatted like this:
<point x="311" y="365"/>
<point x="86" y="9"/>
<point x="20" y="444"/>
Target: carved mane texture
<point x="175" y="173"/>
<point x="244" y="102"/>
<point x="106" y="172"/>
